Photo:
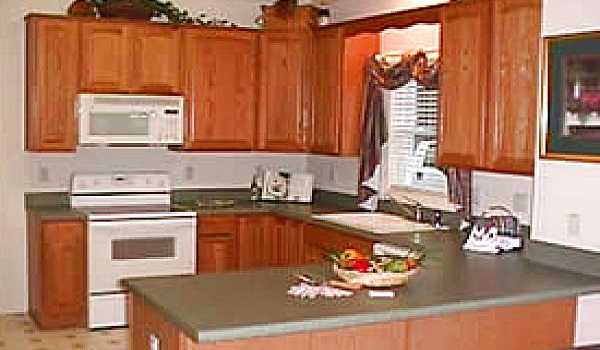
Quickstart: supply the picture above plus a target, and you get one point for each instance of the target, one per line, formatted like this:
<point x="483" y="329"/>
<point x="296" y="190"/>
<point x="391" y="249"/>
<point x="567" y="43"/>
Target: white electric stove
<point x="132" y="232"/>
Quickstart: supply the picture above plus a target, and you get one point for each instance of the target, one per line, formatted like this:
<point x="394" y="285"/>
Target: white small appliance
<point x="121" y="119"/>
<point x="279" y="185"/>
<point x="132" y="232"/>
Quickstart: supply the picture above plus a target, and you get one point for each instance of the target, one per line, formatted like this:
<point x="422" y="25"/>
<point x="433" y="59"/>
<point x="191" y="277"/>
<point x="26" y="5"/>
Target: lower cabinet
<point x="227" y="243"/>
<point x="217" y="244"/>
<point x="57" y="271"/>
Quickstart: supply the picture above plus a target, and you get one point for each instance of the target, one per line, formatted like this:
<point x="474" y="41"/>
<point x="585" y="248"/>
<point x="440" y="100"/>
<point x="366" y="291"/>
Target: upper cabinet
<point x="105" y="56"/>
<point x="490" y="58"/>
<point x="283" y="122"/>
<point x="515" y="85"/>
<point x="221" y="88"/>
<point x="286" y="88"/>
<point x="156" y="57"/>
<point x="329" y="52"/>
<point x="52" y="82"/>
<point x="465" y="83"/>
<point x="139" y="58"/>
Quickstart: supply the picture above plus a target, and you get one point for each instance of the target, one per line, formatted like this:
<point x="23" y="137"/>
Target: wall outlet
<point x="331" y="175"/>
<point x="189" y="173"/>
<point x="520" y="202"/>
<point x="43" y="174"/>
<point x="573" y="225"/>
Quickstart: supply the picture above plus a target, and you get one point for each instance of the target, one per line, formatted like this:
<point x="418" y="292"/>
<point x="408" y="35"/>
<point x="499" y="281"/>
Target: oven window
<point x="103" y="124"/>
<point x="143" y="248"/>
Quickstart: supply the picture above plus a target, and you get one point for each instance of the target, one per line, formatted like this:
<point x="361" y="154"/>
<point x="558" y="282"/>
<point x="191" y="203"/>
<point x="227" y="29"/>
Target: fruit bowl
<point x="373" y="279"/>
<point x="377" y="271"/>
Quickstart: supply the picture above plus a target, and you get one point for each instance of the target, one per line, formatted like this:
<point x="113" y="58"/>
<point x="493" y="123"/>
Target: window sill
<point x="431" y="200"/>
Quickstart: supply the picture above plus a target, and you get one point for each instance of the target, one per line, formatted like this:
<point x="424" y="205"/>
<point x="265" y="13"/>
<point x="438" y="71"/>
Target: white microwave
<point x="120" y="119"/>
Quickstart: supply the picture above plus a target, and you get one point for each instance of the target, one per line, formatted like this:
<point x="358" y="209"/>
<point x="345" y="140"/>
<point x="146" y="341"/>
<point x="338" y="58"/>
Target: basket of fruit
<point x="377" y="271"/>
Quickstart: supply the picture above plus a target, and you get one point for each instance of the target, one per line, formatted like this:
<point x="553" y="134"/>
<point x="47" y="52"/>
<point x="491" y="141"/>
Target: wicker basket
<point x="373" y="279"/>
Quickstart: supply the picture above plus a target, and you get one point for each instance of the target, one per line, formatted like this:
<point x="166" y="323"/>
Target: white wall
<point x="339" y="174"/>
<point x="560" y="16"/>
<point x="47" y="173"/>
<point x="418" y="37"/>
<point x="567" y="195"/>
<point x="511" y="191"/>
<point x="20" y="172"/>
<point x="342" y="10"/>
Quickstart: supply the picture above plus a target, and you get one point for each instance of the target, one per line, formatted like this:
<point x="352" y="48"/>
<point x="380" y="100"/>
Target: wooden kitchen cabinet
<point x="220" y="69"/>
<point x="329" y="56"/>
<point x="156" y="59"/>
<point x="511" y="134"/>
<point x="52" y="82"/>
<point x="339" y="90"/>
<point x="252" y="241"/>
<point x="490" y="55"/>
<point x="105" y="57"/>
<point x="465" y="84"/>
<point x="320" y="241"/>
<point x="217" y="244"/>
<point x="284" y="115"/>
<point x="130" y="58"/>
<point x="268" y="241"/>
<point x="57" y="273"/>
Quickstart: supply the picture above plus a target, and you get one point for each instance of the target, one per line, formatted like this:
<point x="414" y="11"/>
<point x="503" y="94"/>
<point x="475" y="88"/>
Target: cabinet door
<point x="252" y="242"/>
<point x="329" y="44"/>
<point x="155" y="61"/>
<point x="291" y="244"/>
<point x="511" y="133"/>
<point x="217" y="253"/>
<point x="64" y="274"/>
<point x="106" y="55"/>
<point x="282" y="125"/>
<point x="221" y="88"/>
<point x="217" y="243"/>
<point x="52" y="80"/>
<point x="464" y="88"/>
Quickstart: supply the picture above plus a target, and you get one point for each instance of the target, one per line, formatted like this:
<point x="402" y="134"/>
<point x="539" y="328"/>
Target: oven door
<point x="139" y="248"/>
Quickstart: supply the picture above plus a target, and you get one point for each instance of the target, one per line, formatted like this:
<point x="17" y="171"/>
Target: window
<point x="412" y="113"/>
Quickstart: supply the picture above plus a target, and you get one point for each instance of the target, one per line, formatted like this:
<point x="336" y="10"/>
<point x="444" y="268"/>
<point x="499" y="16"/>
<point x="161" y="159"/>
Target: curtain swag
<point x="390" y="73"/>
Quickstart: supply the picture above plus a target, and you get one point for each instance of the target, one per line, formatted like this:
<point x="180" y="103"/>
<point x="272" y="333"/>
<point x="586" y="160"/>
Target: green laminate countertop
<point x="241" y="305"/>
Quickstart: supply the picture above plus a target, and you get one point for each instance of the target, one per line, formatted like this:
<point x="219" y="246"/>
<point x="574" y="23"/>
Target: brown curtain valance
<point x="390" y="73"/>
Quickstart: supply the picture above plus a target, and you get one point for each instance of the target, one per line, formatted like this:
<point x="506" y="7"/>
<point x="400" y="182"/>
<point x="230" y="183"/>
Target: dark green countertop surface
<point x="240" y="305"/>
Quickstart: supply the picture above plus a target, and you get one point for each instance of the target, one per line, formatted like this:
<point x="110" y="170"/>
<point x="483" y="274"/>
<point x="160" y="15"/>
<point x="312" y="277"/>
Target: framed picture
<point x="573" y="125"/>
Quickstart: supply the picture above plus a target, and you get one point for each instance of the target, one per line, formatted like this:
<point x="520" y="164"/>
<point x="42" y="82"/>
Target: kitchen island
<point x="458" y="301"/>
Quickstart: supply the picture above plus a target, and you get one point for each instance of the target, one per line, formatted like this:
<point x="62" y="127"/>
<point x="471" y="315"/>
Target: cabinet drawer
<point x="217" y="225"/>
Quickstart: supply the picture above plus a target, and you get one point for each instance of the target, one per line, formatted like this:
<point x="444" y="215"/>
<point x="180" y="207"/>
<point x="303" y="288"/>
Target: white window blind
<point x="412" y="113"/>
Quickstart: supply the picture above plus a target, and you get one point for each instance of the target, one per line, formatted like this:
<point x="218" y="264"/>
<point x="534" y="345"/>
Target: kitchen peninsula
<point x="459" y="301"/>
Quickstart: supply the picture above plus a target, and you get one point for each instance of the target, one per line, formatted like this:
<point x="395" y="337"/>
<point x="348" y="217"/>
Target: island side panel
<point x="546" y="325"/>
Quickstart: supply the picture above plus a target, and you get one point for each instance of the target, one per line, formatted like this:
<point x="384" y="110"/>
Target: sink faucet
<point x="418" y="206"/>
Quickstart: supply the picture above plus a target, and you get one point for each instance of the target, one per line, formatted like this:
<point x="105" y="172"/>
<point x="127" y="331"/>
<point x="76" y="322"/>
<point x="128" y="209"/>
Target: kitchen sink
<point x="376" y="223"/>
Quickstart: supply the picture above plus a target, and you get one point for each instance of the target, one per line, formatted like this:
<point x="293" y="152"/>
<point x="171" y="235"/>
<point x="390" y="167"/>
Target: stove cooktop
<point x="137" y="212"/>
